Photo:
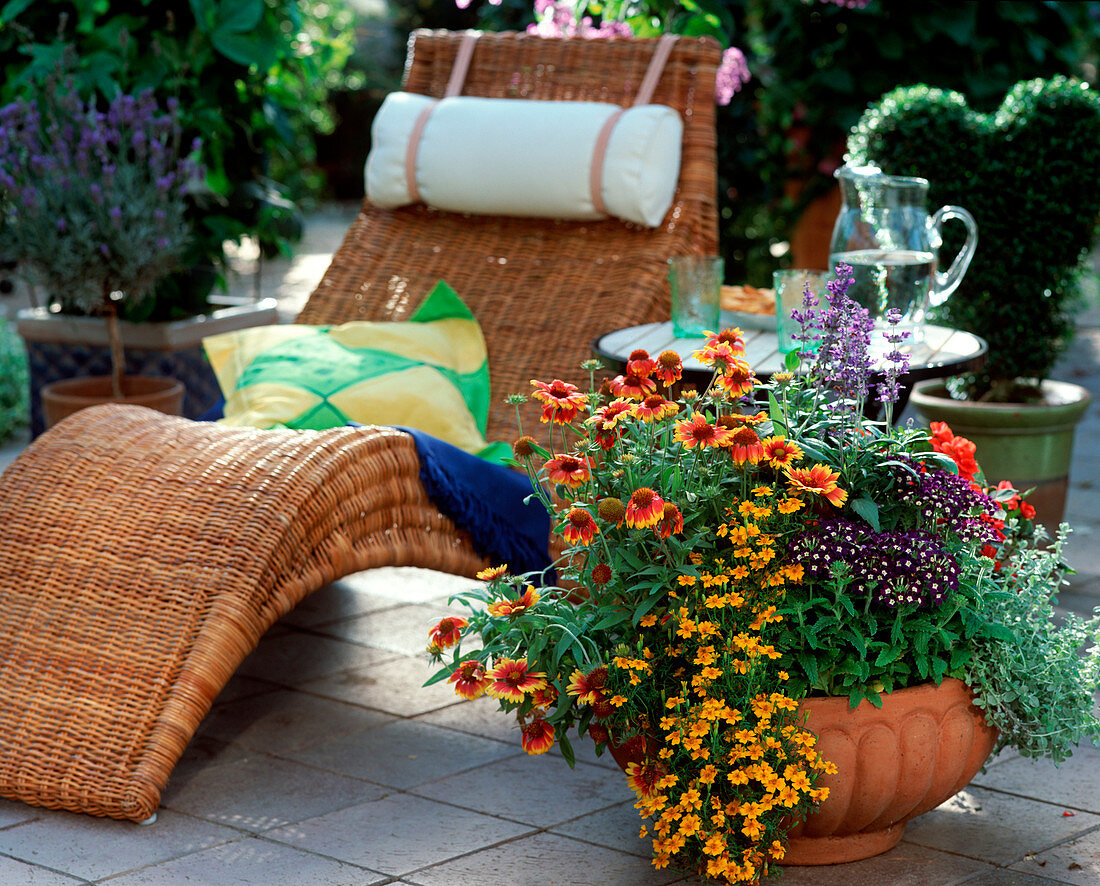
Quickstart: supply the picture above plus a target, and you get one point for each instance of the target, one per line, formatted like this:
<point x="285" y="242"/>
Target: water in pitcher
<point x="884" y="279"/>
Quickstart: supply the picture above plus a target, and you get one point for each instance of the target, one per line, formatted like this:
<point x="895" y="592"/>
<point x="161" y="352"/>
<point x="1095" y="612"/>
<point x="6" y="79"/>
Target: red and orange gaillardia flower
<point x="537" y="737"/>
<point x="731" y="336"/>
<point x="818" y="480"/>
<point x="644" y="508"/>
<point x="560" y="400"/>
<point x="644" y="778"/>
<point x="654" y="408"/>
<point x="580" y="528"/>
<point x="608" y="416"/>
<point x="736" y="379"/>
<point x="633" y="386"/>
<point x="781" y="452"/>
<point x="568" y="470"/>
<point x="446" y="633"/>
<point x="508" y="607"/>
<point x="470" y="680"/>
<point x="640" y="363"/>
<point x="491" y="572"/>
<point x="697" y="431"/>
<point x="744" y="446"/>
<point x="587" y="688"/>
<point x="671" y="522"/>
<point x="511" y="681"/>
<point x="669" y="368"/>
<point x="719" y="354"/>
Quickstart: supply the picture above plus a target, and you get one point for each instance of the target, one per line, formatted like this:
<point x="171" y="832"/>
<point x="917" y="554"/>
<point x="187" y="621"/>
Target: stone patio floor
<point x="325" y="761"/>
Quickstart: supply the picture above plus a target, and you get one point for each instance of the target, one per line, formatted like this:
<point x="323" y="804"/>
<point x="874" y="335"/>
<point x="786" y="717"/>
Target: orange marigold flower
<point x="633" y="386"/>
<point x="537" y="737"/>
<point x="580" y="528"/>
<point x="560" y="400"/>
<point x="470" y="679"/>
<point x="446" y="633"/>
<point x="645" y="508"/>
<point x="509" y="608"/>
<point x="736" y="379"/>
<point x="669" y="368"/>
<point x="790" y="505"/>
<point x="744" y="446"/>
<point x="671" y="521"/>
<point x="491" y="572"/>
<point x="818" y="480"/>
<point x="654" y="408"/>
<point x="640" y="363"/>
<point x="510" y="680"/>
<point x="697" y="431"/>
<point x="781" y="452"/>
<point x="644" y="777"/>
<point x="568" y="470"/>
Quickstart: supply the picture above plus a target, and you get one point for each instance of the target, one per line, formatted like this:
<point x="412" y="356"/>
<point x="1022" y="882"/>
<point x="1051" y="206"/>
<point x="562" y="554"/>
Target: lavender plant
<point x="95" y="198"/>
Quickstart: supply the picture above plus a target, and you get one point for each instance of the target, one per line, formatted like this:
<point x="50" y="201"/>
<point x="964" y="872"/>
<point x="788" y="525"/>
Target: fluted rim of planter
<point x="922" y="747"/>
<point x="60" y="399"/>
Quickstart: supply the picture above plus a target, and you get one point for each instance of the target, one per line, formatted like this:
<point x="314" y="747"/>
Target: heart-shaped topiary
<point x="1030" y="175"/>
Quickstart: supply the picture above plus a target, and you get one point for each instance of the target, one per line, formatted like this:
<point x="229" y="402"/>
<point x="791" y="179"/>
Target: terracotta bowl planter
<point x="923" y="746"/>
<point x="60" y="399"/>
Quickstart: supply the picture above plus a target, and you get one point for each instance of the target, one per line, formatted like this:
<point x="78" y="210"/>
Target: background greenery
<point x="252" y="78"/>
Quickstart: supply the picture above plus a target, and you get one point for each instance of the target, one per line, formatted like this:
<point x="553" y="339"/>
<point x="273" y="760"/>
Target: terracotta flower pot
<point x="923" y="746"/>
<point x="60" y="399"/>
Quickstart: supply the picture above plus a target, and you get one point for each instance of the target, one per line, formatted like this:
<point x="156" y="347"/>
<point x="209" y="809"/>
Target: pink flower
<point x="733" y="73"/>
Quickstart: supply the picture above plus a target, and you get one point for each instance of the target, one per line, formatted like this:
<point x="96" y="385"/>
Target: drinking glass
<point x="696" y="282"/>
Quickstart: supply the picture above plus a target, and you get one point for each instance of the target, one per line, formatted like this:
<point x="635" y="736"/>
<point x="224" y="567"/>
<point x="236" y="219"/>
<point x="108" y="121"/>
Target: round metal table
<point x="942" y="353"/>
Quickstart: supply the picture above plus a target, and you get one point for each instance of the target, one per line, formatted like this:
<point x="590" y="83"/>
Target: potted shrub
<point x="742" y="575"/>
<point x="1027" y="175"/>
<point x="94" y="213"/>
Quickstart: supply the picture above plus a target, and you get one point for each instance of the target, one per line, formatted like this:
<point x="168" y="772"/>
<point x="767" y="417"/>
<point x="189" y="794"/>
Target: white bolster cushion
<point x="498" y="156"/>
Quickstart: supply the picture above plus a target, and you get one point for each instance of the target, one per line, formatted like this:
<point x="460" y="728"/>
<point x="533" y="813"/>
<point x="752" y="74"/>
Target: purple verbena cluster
<point x="93" y="199"/>
<point x="892" y="568"/>
<point x="942" y="499"/>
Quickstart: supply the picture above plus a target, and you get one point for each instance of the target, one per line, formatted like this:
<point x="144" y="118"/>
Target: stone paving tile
<point x="995" y="827"/>
<point x="341" y="599"/>
<point x="904" y="865"/>
<point x="252" y="861"/>
<point x="89" y="847"/>
<point x="297" y="657"/>
<point x="1074" y="784"/>
<point x="544" y="859"/>
<point x="482" y="716"/>
<point x="403" y="754"/>
<point x="240" y="686"/>
<point x="403" y="629"/>
<point x="539" y="791"/>
<point x="284" y="721"/>
<point x="399" y="833"/>
<point x="206" y="752"/>
<point x="616" y="827"/>
<point x="260" y="792"/>
<point x="17" y="873"/>
<point x="1000" y="877"/>
<point x="394" y="687"/>
<point x="13" y="812"/>
<point x="1076" y="862"/>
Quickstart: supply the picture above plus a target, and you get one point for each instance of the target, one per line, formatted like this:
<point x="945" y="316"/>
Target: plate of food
<point x="748" y="307"/>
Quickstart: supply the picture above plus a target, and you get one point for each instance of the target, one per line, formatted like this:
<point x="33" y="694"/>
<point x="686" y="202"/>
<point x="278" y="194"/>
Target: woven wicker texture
<point x="143" y="556"/>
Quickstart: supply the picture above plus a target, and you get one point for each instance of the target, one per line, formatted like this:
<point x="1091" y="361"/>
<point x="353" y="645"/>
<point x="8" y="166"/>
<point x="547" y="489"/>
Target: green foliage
<point x="1027" y="175"/>
<point x="252" y="78"/>
<point x="1036" y="681"/>
<point x="13" y="381"/>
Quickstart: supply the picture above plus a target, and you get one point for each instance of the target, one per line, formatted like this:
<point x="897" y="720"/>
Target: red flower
<point x="645" y="508"/>
<point x="633" y="386"/>
<point x="537" y="737"/>
<point x="745" y="446"/>
<point x="959" y="449"/>
<point x="671" y="522"/>
<point x="697" y="431"/>
<point x="669" y="368"/>
<point x="640" y="363"/>
<point x="580" y="528"/>
<point x="587" y="688"/>
<point x="470" y="679"/>
<point x="568" y="470"/>
<point x="561" y="400"/>
<point x="818" y="480"/>
<point x="510" y="680"/>
<point x="446" y="634"/>
<point x="737" y="378"/>
<point x="1027" y="511"/>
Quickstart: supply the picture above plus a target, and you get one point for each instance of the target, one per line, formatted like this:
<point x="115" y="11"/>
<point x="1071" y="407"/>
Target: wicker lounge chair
<point x="143" y="556"/>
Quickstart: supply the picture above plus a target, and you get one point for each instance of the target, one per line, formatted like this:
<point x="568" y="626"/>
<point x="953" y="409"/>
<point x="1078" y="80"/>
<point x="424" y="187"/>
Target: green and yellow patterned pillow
<point x="429" y="373"/>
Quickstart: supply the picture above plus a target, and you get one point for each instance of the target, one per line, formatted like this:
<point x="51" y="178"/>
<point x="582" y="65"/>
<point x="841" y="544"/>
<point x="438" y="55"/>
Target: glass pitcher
<point x="885" y="233"/>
